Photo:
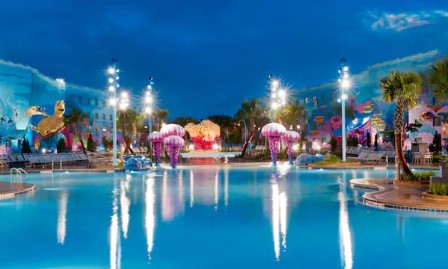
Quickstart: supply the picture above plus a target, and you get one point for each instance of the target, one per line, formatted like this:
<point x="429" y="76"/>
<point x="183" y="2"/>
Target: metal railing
<point x="17" y="174"/>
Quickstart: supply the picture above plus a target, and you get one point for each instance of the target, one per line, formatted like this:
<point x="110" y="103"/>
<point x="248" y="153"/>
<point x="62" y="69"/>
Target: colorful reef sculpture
<point x="273" y="131"/>
<point x="204" y="134"/>
<point x="49" y="125"/>
<point x="172" y="138"/>
<point x="156" y="140"/>
<point x="291" y="137"/>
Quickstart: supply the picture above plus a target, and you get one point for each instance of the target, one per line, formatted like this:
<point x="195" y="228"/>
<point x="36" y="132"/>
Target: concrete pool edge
<point x="9" y="190"/>
<point x="389" y="195"/>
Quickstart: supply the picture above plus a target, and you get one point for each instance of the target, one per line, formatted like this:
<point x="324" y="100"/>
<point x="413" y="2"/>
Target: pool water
<point x="213" y="217"/>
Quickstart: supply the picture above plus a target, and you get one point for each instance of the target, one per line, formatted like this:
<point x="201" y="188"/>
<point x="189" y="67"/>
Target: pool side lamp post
<point x="344" y="86"/>
<point x="148" y="102"/>
<point x="277" y="95"/>
<point x="245" y="129"/>
<point x="113" y="85"/>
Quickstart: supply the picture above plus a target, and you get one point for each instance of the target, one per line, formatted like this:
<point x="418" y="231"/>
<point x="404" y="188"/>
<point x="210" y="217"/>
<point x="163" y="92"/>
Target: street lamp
<point x="245" y="129"/>
<point x="344" y="86"/>
<point x="113" y="78"/>
<point x="277" y="94"/>
<point x="148" y="102"/>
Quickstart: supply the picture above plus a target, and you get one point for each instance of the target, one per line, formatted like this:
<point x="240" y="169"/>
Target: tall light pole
<point x="148" y="102"/>
<point x="344" y="86"/>
<point x="245" y="129"/>
<point x="123" y="105"/>
<point x="113" y="78"/>
<point x="277" y="95"/>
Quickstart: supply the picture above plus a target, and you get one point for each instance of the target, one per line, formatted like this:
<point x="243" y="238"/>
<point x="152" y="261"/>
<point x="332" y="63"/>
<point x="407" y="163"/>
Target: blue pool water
<point x="213" y="217"/>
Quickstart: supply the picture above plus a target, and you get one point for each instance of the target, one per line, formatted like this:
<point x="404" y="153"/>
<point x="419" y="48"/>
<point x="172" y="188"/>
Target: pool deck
<point x="402" y="196"/>
<point x="9" y="190"/>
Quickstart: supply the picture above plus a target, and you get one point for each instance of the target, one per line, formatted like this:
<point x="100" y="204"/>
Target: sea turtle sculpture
<point x="50" y="125"/>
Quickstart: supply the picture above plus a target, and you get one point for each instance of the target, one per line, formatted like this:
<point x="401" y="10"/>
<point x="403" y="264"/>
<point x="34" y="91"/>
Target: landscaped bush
<point x="331" y="159"/>
<point x="439" y="188"/>
<point x="418" y="176"/>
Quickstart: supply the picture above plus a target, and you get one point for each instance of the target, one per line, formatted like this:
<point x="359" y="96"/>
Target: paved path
<point x="390" y="194"/>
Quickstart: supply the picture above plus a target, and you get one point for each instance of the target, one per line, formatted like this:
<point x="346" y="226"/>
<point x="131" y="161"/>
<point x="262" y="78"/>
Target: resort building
<point x="366" y="112"/>
<point x="22" y="87"/>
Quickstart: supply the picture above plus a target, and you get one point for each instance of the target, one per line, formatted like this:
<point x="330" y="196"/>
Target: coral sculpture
<point x="204" y="134"/>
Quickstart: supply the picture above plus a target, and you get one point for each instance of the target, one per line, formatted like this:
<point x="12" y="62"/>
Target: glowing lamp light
<point x="111" y="80"/>
<point x="124" y="95"/>
<point x="344" y="96"/>
<point x="282" y="93"/>
<point x="44" y="150"/>
<point x="191" y="147"/>
<point x="148" y="110"/>
<point x="274" y="105"/>
<point x="112" y="101"/>
<point x="275" y="83"/>
<point x="149" y="87"/>
<point x="215" y="146"/>
<point x="111" y="70"/>
<point x="111" y="88"/>
<point x="345" y="84"/>
<point x="345" y="68"/>
<point x="295" y="147"/>
<point x="148" y="99"/>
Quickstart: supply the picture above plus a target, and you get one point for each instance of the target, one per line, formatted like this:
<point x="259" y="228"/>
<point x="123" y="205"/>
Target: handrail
<point x="22" y="171"/>
<point x="19" y="174"/>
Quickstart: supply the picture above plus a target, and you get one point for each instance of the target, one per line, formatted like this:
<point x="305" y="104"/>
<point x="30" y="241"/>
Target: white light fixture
<point x="191" y="147"/>
<point x="111" y="88"/>
<point x="345" y="83"/>
<point x="111" y="80"/>
<point x="111" y="70"/>
<point x="215" y="146"/>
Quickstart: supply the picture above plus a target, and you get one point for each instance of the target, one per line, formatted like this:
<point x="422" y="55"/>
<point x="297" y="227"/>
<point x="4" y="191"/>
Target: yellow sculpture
<point x="50" y="125"/>
<point x="207" y="130"/>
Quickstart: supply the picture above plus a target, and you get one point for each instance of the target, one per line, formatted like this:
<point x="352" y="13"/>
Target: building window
<point x="110" y="117"/>
<point x="104" y="116"/>
<point x="437" y="121"/>
<point x="96" y="101"/>
<point x="104" y="103"/>
<point x="306" y="100"/>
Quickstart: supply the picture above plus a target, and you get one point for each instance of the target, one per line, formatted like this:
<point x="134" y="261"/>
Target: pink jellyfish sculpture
<point x="291" y="137"/>
<point x="172" y="129"/>
<point x="274" y="132"/>
<point x="173" y="143"/>
<point x="156" y="140"/>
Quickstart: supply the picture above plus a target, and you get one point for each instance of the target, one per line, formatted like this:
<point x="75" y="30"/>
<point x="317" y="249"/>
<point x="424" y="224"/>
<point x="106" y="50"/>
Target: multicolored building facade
<point x="366" y="112"/>
<point x="22" y="87"/>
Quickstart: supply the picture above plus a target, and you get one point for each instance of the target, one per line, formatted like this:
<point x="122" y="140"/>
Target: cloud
<point x="405" y="20"/>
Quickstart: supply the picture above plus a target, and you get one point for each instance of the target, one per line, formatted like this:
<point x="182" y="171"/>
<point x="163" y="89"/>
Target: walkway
<point x="9" y="190"/>
<point x="404" y="196"/>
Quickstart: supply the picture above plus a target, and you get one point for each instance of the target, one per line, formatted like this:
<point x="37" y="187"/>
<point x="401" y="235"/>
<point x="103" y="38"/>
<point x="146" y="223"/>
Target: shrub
<point x="418" y="176"/>
<point x="61" y="146"/>
<point x="91" y="144"/>
<point x="333" y="144"/>
<point x="439" y="188"/>
<point x="26" y="146"/>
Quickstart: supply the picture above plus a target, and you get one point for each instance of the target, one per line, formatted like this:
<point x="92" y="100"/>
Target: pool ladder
<point x="17" y="174"/>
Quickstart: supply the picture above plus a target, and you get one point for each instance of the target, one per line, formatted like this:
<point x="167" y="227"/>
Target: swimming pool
<point x="213" y="217"/>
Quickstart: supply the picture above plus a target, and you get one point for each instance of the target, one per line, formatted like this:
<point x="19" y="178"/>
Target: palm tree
<point x="129" y="122"/>
<point x="74" y="119"/>
<point x="404" y="89"/>
<point x="160" y="115"/>
<point x="438" y="78"/>
<point x="290" y="114"/>
<point x="254" y="115"/>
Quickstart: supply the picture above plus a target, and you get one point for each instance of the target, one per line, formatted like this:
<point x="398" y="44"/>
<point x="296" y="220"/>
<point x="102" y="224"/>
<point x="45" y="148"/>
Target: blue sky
<point x="207" y="56"/>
